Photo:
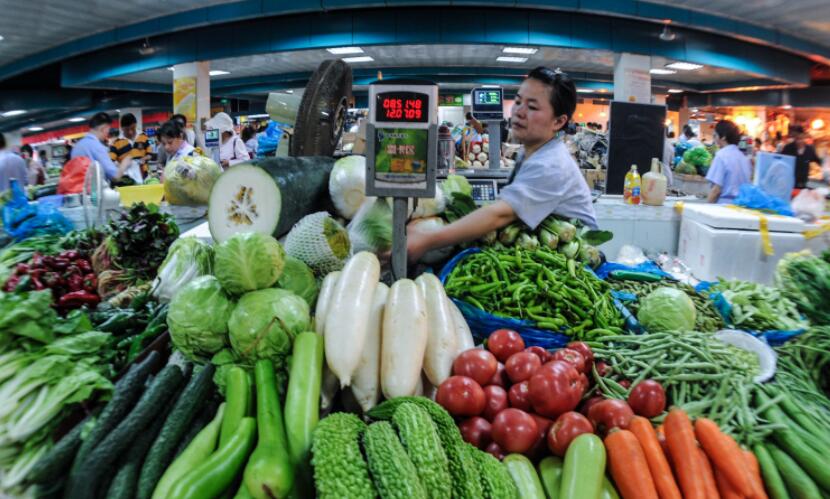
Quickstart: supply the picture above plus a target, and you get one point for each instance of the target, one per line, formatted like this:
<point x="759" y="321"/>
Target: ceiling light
<point x="504" y="58"/>
<point x="35" y="129"/>
<point x="1" y="38"/>
<point x="171" y="68"/>
<point x="520" y="50"/>
<point x="660" y="71"/>
<point x="16" y="112"/>
<point x="146" y="49"/>
<point x="218" y="72"/>
<point x="585" y="90"/>
<point x="490" y="86"/>
<point x="667" y="35"/>
<point x="362" y="58"/>
<point x="76" y="120"/>
<point x="345" y="50"/>
<point x="675" y="91"/>
<point x="684" y="66"/>
<point x="289" y="91"/>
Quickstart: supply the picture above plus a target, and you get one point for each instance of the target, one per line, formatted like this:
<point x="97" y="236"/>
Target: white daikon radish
<point x="442" y="346"/>
<point x="323" y="300"/>
<point x="347" y="318"/>
<point x="366" y="380"/>
<point x="462" y="331"/>
<point x="404" y="339"/>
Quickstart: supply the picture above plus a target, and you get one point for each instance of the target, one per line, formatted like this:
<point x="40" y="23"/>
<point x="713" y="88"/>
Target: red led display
<point x="402" y="107"/>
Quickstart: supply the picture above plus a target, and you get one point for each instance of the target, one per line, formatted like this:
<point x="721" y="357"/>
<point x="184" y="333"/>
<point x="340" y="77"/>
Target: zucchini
<point x="772" y="478"/>
<point x="238" y="401"/>
<point x="175" y="426"/>
<point x="524" y="476"/>
<point x="53" y="465"/>
<point x="204" y="418"/>
<point x="584" y="468"/>
<point x="799" y="484"/>
<point x="550" y="471"/>
<point x="608" y="490"/>
<point x="105" y="455"/>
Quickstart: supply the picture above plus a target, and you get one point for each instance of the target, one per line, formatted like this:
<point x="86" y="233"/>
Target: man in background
<point x="804" y="154"/>
<point x="92" y="146"/>
<point x="134" y="144"/>
<point x="12" y="166"/>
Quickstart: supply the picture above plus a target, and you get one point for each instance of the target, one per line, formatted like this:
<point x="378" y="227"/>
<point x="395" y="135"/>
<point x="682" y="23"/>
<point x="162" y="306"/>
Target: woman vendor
<point x="546" y="179"/>
<point x="173" y="139"/>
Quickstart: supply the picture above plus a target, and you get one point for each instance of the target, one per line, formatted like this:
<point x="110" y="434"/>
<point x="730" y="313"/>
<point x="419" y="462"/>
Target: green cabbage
<point x="248" y="261"/>
<point x="198" y="317"/>
<point x="188" y="180"/>
<point x="298" y="278"/>
<point x="371" y="228"/>
<point x="264" y="323"/>
<point x="667" y="309"/>
<point x="187" y="258"/>
<point x="698" y="156"/>
<point x="456" y="183"/>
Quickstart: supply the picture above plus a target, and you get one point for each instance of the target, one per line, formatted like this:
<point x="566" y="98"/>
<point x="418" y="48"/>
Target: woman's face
<point x="533" y="119"/>
<point x="171" y="145"/>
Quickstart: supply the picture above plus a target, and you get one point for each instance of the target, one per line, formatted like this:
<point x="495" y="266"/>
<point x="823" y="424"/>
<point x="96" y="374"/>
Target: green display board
<point x="401" y="154"/>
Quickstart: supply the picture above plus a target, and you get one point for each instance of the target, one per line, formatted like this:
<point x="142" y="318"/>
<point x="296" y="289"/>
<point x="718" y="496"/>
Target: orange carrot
<point x="754" y="468"/>
<point x="680" y="438"/>
<point x="724" y="487"/>
<point x="629" y="467"/>
<point x="725" y="455"/>
<point x="657" y="463"/>
<point x="708" y="476"/>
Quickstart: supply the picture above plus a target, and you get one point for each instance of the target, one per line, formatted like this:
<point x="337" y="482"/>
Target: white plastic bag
<point x="809" y="203"/>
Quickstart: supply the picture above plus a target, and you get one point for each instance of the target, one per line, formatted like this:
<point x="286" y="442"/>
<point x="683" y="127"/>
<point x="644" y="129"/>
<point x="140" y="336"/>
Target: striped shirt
<point x="138" y="149"/>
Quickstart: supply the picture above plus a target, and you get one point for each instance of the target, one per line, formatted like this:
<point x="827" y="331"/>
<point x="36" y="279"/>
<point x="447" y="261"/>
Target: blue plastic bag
<point x="22" y="219"/>
<point x="606" y="268"/>
<point x="269" y="141"/>
<point x="751" y="196"/>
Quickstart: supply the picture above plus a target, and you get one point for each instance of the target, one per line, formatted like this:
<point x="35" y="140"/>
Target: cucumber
<point x="204" y="418"/>
<point x="105" y="455"/>
<point x="238" y="400"/>
<point x="608" y="490"/>
<point x="799" y="484"/>
<point x="550" y="471"/>
<point x="772" y="478"/>
<point x="525" y="477"/>
<point x="175" y="426"/>
<point x="127" y="391"/>
<point x="53" y="465"/>
<point x="584" y="468"/>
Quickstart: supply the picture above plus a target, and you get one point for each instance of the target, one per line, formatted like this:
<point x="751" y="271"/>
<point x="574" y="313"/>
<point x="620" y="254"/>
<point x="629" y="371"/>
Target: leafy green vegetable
<point x="188" y="180"/>
<point x="28" y="314"/>
<point x="667" y="309"/>
<point x="90" y="342"/>
<point x="198" y="317"/>
<point x="756" y="307"/>
<point x="264" y="323"/>
<point x="371" y="228"/>
<point x="456" y="184"/>
<point x="248" y="261"/>
<point x="298" y="278"/>
<point x="187" y="258"/>
<point x="460" y="205"/>
<point x="805" y="279"/>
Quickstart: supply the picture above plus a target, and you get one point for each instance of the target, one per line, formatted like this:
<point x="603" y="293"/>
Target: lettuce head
<point x="248" y="261"/>
<point x="298" y="278"/>
<point x="667" y="309"/>
<point x="198" y="317"/>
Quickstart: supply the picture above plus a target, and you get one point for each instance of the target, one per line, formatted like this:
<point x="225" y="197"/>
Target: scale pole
<point x="399" y="213"/>
<point x="494" y="130"/>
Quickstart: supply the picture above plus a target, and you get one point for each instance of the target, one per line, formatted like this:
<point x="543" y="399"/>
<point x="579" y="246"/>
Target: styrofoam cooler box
<point x="716" y="241"/>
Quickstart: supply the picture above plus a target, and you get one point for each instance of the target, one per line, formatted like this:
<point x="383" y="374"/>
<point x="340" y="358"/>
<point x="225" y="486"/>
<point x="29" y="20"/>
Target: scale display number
<point x="402" y="107"/>
<point x="488" y="97"/>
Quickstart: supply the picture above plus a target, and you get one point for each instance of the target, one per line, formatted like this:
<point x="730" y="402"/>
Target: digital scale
<point x="486" y="184"/>
<point x="212" y="144"/>
<point x="401" y="151"/>
<point x="488" y="106"/>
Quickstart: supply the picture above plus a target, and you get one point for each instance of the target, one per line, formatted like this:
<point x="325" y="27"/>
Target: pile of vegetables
<point x="696" y="161"/>
<point x="538" y="285"/>
<point x="805" y="280"/>
<point x="755" y="307"/>
<point x="68" y="275"/>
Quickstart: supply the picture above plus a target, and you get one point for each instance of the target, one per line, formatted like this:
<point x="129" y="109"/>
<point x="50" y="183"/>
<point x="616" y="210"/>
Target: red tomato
<point x="585" y="383"/>
<point x="543" y="354"/>
<point x="495" y="451"/>
<point x="476" y="431"/>
<point x="567" y="427"/>
<point x="504" y="343"/>
<point x="572" y="357"/>
<point x="586" y="352"/>
<point x="515" y="430"/>
<point x="610" y="414"/>
<point x="586" y="406"/>
<point x="555" y="389"/>
<point x="647" y="399"/>
<point x="540" y="447"/>
<point x="603" y="369"/>
<point x="461" y="396"/>
<point x="521" y="366"/>
<point x="496" y="401"/>
<point x="476" y="363"/>
<point x="500" y="378"/>
<point x="519" y="396"/>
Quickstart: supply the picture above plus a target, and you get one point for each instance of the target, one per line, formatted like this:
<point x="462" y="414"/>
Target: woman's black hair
<point x="180" y="118"/>
<point x="563" y="90"/>
<point x="248" y="133"/>
<point x="728" y="131"/>
<point x="27" y="148"/>
<point x="171" y="129"/>
<point x="688" y="132"/>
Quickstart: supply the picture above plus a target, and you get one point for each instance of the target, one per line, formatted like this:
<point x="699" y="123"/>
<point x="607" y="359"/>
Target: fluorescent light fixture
<point x="345" y="50"/>
<point x="35" y="129"/>
<point x="289" y="91"/>
<point x="171" y="68"/>
<point x="1" y="38"/>
<point x="505" y="58"/>
<point x="684" y="66"/>
<point x="585" y="90"/>
<point x="362" y="58"/>
<point x="660" y="71"/>
<point x="675" y="91"/>
<point x="76" y="120"/>
<point x="16" y="112"/>
<point x="520" y="50"/>
<point x="489" y="86"/>
<point x="218" y="72"/>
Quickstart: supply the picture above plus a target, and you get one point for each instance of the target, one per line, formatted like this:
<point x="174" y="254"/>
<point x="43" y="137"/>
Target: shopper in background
<point x="92" y="146"/>
<point x="189" y="134"/>
<point x="689" y="136"/>
<point x="546" y="179"/>
<point x="232" y="149"/>
<point x="173" y="141"/>
<point x="668" y="157"/>
<point x="250" y="140"/>
<point x="804" y="154"/>
<point x="132" y="144"/>
<point x="37" y="173"/>
<point x="43" y="159"/>
<point x="12" y="166"/>
<point x="731" y="168"/>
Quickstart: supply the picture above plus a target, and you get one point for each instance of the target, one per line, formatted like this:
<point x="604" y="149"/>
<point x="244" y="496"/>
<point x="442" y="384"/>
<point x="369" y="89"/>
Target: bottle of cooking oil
<point x="631" y="187"/>
<point x="654" y="184"/>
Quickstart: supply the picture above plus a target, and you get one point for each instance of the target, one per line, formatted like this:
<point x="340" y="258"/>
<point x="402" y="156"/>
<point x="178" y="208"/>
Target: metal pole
<point x="399" y="212"/>
<point x="494" y="130"/>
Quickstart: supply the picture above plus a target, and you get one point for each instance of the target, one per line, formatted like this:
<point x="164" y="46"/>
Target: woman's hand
<point x="225" y="163"/>
<point x="417" y="243"/>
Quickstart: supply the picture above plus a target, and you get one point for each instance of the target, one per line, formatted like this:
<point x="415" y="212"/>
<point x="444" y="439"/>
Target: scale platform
<point x="486" y="183"/>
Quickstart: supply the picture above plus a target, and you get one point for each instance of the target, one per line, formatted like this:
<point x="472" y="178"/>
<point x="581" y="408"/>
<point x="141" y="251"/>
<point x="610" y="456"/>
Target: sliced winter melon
<point x="267" y="196"/>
